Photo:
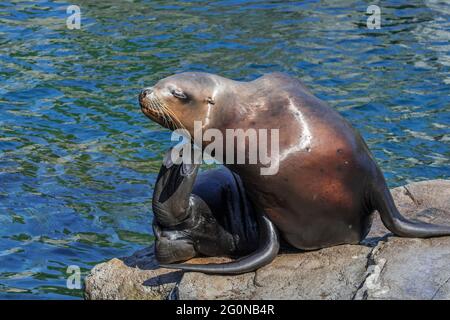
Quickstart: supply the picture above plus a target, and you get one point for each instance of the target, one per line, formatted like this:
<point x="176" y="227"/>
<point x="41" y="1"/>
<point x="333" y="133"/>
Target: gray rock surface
<point x="384" y="267"/>
<point x="331" y="273"/>
<point x="402" y="268"/>
<point x="137" y="277"/>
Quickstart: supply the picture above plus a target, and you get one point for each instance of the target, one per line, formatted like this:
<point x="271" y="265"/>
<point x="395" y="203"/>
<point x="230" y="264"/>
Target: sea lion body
<point x="328" y="184"/>
<point x="318" y="197"/>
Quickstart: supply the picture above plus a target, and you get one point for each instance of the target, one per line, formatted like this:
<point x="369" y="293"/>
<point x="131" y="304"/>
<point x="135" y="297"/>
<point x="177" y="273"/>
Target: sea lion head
<point x="179" y="100"/>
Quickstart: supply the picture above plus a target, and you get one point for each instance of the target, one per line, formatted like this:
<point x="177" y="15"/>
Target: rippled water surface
<point x="78" y="159"/>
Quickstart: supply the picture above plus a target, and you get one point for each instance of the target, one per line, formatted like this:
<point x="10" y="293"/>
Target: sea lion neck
<point x="236" y="102"/>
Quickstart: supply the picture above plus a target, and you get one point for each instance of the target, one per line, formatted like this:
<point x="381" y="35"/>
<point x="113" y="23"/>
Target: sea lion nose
<point x="145" y="92"/>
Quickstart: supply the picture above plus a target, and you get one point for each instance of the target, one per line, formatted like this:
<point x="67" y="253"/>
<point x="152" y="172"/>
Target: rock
<point x="331" y="273"/>
<point x="402" y="268"/>
<point x="384" y="267"/>
<point x="137" y="277"/>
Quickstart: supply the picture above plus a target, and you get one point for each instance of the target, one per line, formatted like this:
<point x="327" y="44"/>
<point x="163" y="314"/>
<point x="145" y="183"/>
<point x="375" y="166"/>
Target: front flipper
<point x="267" y="251"/>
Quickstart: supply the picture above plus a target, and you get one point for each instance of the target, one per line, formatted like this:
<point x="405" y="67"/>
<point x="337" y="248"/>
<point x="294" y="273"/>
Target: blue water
<point x="78" y="159"/>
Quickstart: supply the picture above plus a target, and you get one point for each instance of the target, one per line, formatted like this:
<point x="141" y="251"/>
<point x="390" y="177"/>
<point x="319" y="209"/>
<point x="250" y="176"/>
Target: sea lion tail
<point x="396" y="223"/>
<point x="267" y="251"/>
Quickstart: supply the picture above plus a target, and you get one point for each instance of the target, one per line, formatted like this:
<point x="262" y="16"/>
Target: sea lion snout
<point x="144" y="93"/>
<point x="148" y="104"/>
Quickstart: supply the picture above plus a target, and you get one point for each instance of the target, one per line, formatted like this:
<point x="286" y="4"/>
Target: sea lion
<point x="328" y="183"/>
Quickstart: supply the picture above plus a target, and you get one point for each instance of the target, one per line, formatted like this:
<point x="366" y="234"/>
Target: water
<point x="78" y="159"/>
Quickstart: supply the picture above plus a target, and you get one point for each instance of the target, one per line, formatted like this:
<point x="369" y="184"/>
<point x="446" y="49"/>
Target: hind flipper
<point x="171" y="195"/>
<point x="395" y="222"/>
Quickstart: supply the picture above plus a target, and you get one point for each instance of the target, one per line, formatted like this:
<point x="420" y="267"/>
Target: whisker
<point x="172" y="117"/>
<point x="169" y="114"/>
<point x="166" y="115"/>
<point x="177" y="122"/>
<point x="158" y="111"/>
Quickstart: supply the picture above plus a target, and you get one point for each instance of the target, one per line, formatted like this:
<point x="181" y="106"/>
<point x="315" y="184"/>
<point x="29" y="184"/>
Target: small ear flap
<point x="178" y="93"/>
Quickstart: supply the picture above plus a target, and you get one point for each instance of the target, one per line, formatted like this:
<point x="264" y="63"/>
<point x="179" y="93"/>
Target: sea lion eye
<point x="210" y="101"/>
<point x="178" y="93"/>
